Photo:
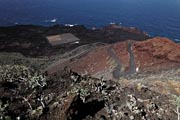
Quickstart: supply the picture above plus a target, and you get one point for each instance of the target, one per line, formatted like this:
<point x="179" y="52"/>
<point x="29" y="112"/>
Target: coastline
<point x="152" y="34"/>
<point x="16" y="36"/>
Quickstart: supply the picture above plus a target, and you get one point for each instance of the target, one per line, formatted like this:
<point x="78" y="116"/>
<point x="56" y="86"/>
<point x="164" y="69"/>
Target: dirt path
<point x="132" y="68"/>
<point x="117" y="73"/>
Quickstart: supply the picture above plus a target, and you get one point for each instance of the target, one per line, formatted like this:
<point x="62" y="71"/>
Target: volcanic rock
<point x="31" y="40"/>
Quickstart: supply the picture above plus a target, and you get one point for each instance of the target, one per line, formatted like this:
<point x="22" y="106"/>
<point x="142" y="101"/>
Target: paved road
<point x="117" y="73"/>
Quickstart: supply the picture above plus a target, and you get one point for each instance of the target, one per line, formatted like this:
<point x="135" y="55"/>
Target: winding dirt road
<point x="117" y="73"/>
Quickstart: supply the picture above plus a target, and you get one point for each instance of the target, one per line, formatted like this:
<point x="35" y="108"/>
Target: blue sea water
<point x="156" y="17"/>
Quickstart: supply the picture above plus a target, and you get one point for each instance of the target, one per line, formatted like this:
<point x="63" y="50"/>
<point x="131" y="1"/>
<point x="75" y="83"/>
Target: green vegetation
<point x="177" y="100"/>
<point x="22" y="84"/>
<point x="21" y="74"/>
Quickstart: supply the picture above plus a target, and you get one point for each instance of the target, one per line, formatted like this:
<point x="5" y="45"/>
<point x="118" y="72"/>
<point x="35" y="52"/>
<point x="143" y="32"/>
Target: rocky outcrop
<point x="70" y="96"/>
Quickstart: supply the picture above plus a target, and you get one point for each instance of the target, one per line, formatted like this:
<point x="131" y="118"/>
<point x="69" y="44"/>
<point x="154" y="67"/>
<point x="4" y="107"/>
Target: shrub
<point x="22" y="75"/>
<point x="20" y="85"/>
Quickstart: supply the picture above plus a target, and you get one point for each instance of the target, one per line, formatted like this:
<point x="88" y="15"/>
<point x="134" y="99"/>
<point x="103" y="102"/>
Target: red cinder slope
<point x="157" y="53"/>
<point x="123" y="58"/>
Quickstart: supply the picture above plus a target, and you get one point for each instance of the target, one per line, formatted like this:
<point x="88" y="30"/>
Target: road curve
<point x="117" y="73"/>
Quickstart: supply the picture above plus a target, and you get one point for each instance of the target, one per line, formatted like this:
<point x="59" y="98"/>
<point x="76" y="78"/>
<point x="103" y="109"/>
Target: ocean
<point x="156" y="17"/>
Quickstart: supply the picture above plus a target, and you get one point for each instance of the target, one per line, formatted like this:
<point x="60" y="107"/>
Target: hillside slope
<point x="126" y="58"/>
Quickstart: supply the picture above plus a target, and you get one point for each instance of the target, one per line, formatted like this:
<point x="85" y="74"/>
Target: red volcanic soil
<point x="121" y="51"/>
<point x="157" y="53"/>
<point x="92" y="63"/>
<point x="153" y="54"/>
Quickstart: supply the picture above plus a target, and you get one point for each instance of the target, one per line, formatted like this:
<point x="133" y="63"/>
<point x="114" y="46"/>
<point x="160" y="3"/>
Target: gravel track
<point x="117" y="73"/>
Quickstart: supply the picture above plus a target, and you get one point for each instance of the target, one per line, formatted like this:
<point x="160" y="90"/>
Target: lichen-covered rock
<point x="66" y="98"/>
<point x="19" y="87"/>
<point x="21" y="75"/>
